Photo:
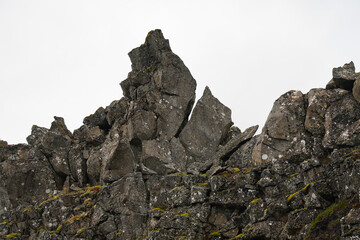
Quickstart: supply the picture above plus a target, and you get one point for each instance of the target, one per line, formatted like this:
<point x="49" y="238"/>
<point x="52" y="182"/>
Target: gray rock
<point x="230" y="146"/>
<point x="338" y="118"/>
<point x="284" y="137"/>
<point x="208" y="126"/>
<point x="97" y="119"/>
<point x="344" y="76"/>
<point x="161" y="82"/>
<point x="142" y="125"/>
<point x="117" y="159"/>
<point x="356" y="88"/>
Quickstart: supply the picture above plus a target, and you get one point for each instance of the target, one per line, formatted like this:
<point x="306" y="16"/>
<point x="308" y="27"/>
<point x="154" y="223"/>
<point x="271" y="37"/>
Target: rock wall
<point x="141" y="169"/>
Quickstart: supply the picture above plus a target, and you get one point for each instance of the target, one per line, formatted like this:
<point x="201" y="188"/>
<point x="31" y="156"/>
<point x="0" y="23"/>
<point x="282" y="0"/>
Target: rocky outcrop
<point x="140" y="169"/>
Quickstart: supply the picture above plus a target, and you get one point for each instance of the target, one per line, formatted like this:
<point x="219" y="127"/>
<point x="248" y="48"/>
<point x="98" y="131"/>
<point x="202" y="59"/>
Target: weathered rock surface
<point x="208" y="126"/>
<point x="138" y="169"/>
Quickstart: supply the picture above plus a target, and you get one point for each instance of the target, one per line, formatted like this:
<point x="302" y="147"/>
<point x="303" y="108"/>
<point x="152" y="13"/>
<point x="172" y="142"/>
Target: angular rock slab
<point x="319" y="100"/>
<point x="209" y="124"/>
<point x="344" y="76"/>
<point x="284" y="134"/>
<point x="25" y="176"/>
<point x="126" y="197"/>
<point x="54" y="144"/>
<point x="161" y="82"/>
<point x="338" y="118"/>
<point x="117" y="159"/>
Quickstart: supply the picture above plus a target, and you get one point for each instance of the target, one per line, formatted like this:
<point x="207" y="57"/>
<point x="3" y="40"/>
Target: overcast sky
<point x="67" y="58"/>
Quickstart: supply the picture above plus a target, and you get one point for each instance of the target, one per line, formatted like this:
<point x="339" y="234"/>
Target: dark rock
<point x="26" y="177"/>
<point x="338" y="118"/>
<point x="161" y="82"/>
<point x="142" y="125"/>
<point x="298" y="179"/>
<point x="116" y="111"/>
<point x="97" y="119"/>
<point x="230" y="146"/>
<point x="284" y="137"/>
<point x="208" y="126"/>
<point x="117" y="159"/>
<point x="344" y="76"/>
<point x="356" y="88"/>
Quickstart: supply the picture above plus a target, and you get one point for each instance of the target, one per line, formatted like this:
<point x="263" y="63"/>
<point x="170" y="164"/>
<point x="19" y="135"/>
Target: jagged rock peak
<point x="139" y="169"/>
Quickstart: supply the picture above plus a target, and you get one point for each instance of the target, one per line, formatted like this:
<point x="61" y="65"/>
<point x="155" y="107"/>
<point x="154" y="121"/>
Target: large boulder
<point x="54" y="143"/>
<point x="117" y="158"/>
<point x="338" y="122"/>
<point x="159" y="83"/>
<point x="343" y="77"/>
<point x="26" y="177"/>
<point x="284" y="136"/>
<point x="209" y="124"/>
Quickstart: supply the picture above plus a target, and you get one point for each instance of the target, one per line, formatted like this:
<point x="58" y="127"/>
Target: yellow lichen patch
<point x="81" y="230"/>
<point x="293" y="175"/>
<point x="236" y="169"/>
<point x="179" y="174"/>
<point x="27" y="210"/>
<point x="87" y="202"/>
<point x="175" y="188"/>
<point x="94" y="189"/>
<point x="161" y="209"/>
<point x="248" y="170"/>
<point x="217" y="233"/>
<point x="51" y="199"/>
<point x="13" y="235"/>
<point x="301" y="190"/>
<point x="238" y="236"/>
<point x="255" y="201"/>
<point x="298" y="210"/>
<point x="185" y="215"/>
<point x="3" y="223"/>
<point x="203" y="184"/>
<point x="56" y="231"/>
<point x="118" y="233"/>
<point x="182" y="237"/>
<point x="76" y="217"/>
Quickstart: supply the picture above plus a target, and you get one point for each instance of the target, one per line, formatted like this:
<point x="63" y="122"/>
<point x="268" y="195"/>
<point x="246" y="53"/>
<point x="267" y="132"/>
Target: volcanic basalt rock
<point x="140" y="169"/>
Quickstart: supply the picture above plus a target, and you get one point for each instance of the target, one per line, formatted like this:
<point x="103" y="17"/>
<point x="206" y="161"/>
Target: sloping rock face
<point x="140" y="169"/>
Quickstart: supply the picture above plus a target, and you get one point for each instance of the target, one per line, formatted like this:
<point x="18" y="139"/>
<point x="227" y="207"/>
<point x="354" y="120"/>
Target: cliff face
<point x="140" y="169"/>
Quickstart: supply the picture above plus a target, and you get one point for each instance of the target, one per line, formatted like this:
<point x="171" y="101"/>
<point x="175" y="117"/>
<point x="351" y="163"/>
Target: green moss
<point x="255" y="201"/>
<point x="326" y="214"/>
<point x="354" y="230"/>
<point x="301" y="190"/>
<point x="13" y="235"/>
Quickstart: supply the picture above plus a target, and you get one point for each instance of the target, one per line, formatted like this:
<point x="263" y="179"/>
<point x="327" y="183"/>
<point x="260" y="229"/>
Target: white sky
<point x="66" y="58"/>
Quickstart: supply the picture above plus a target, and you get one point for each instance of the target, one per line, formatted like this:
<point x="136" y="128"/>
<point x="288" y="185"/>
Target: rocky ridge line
<point x="141" y="169"/>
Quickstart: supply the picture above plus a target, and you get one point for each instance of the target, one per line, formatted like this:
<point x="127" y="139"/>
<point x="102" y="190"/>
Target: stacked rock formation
<point x="141" y="169"/>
